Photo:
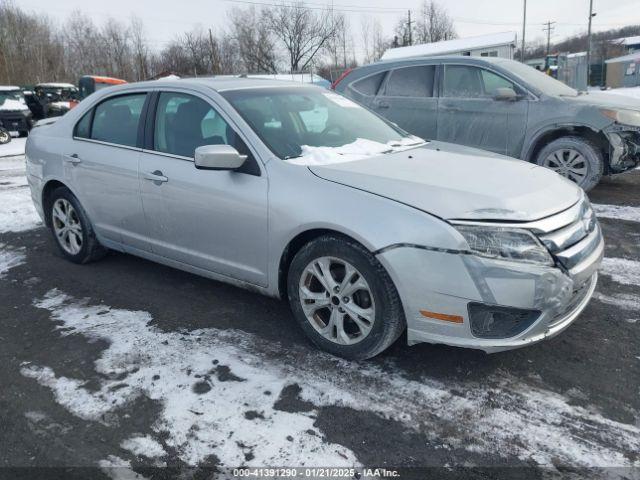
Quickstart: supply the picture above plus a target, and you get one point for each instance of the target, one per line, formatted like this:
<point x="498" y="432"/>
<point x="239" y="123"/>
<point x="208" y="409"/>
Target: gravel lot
<point x="124" y="365"/>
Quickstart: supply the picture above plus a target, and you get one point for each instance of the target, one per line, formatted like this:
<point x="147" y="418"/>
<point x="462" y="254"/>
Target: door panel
<point x="106" y="176"/>
<point x="215" y="220"/>
<point x="469" y="115"/>
<point x="408" y="101"/>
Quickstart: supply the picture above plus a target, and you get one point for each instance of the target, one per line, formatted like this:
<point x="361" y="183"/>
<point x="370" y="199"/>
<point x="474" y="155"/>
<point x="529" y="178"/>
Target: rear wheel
<point x="71" y="228"/>
<point x="344" y="299"/>
<point x="575" y="158"/>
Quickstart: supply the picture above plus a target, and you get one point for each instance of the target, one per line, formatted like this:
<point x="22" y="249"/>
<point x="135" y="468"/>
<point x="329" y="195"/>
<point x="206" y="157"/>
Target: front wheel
<point x="71" y="228"/>
<point x="575" y="158"/>
<point x="5" y="136"/>
<point x="343" y="298"/>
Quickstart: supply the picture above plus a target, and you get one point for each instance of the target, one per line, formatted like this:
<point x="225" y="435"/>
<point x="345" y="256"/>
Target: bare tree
<point x="140" y="49"/>
<point x="433" y="24"/>
<point x="373" y="39"/>
<point x="302" y="31"/>
<point x="255" y="43"/>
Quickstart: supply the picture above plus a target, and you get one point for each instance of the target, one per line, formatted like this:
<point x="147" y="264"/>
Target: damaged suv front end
<point x="624" y="139"/>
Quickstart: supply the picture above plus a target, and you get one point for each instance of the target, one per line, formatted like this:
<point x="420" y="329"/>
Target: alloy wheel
<point x="67" y="226"/>
<point x="569" y="163"/>
<point x="337" y="300"/>
<point x="5" y="136"/>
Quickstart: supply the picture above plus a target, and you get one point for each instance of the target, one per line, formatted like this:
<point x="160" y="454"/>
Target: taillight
<point x="341" y="77"/>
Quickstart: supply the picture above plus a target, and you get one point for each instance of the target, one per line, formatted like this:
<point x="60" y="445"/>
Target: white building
<point x="494" y="45"/>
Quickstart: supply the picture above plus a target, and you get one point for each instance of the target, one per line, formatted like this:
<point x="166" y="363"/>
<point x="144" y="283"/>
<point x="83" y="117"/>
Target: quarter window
<point x="411" y="82"/>
<point x="116" y="120"/>
<point x="184" y="122"/>
<point x="83" y="127"/>
<point x="370" y="85"/>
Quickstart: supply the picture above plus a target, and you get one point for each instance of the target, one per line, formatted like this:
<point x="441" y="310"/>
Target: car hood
<point x="606" y="100"/>
<point x="458" y="183"/>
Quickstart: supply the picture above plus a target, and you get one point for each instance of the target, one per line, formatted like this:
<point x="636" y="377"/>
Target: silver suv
<point x="505" y="107"/>
<point x="299" y="193"/>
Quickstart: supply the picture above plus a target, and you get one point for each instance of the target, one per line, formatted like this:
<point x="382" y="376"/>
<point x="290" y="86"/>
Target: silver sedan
<point x="299" y="193"/>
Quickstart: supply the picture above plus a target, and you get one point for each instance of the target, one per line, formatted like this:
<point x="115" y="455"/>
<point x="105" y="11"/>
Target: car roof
<point x="223" y="83"/>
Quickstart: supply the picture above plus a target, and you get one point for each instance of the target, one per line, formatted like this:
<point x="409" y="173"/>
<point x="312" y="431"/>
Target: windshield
<point x="316" y="124"/>
<point x="537" y="79"/>
<point x="14" y="98"/>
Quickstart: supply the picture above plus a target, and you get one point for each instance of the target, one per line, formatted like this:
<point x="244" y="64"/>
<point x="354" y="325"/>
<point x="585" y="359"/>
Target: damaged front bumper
<point x="624" y="148"/>
<point x="493" y="305"/>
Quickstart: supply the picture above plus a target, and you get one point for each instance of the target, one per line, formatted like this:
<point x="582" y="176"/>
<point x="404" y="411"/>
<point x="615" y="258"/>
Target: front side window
<point x="411" y="82"/>
<point x="83" y="127"/>
<point x="116" y="120"/>
<point x="184" y="123"/>
<point x="462" y="81"/>
<point x="294" y="122"/>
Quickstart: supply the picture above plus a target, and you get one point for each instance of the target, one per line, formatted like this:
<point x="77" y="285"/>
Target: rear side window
<point x="411" y="82"/>
<point x="83" y="127"/>
<point x="370" y="85"/>
<point x="116" y="120"/>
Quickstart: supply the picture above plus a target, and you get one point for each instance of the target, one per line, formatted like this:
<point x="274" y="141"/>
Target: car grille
<point x="574" y="236"/>
<point x="13" y="122"/>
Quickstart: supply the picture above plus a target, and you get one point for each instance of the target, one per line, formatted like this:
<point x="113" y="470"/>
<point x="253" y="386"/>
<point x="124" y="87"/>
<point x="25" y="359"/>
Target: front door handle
<point x="156" y="177"/>
<point x="72" y="158"/>
<point x="381" y="104"/>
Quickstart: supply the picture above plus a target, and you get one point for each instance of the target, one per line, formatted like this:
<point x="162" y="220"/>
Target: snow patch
<point x="17" y="212"/>
<point x="218" y="391"/>
<point x="361" y="148"/>
<point x="623" y="300"/>
<point x="621" y="270"/>
<point x="144" y="445"/>
<point x="118" y="469"/>
<point x="617" y="212"/>
<point x="627" y="91"/>
<point x="10" y="258"/>
<point x="15" y="147"/>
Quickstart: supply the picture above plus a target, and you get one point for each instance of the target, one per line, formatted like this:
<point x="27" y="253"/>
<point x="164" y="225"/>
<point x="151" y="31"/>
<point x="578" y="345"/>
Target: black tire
<point x="5" y="136"/>
<point x="389" y="321"/>
<point x="91" y="249"/>
<point x="592" y="155"/>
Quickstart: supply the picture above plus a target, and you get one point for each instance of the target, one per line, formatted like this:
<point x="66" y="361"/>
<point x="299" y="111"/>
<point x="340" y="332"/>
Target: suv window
<point x="369" y="85"/>
<point x="411" y="82"/>
<point x="472" y="82"/>
<point x="116" y="120"/>
<point x="185" y="122"/>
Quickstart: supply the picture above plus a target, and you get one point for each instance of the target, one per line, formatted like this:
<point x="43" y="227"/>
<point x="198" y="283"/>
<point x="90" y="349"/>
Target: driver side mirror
<point x="218" y="157"/>
<point x="505" y="94"/>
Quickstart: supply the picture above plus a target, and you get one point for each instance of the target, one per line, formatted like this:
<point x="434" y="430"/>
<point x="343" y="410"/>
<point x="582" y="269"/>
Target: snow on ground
<point x="14" y="147"/>
<point x="617" y="212"/>
<point x="10" y="257"/>
<point x="622" y="270"/>
<point x="627" y="92"/>
<point x="17" y="212"/>
<point x="219" y="391"/>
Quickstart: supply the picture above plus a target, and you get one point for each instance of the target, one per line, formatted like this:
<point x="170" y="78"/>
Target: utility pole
<point x="524" y="26"/>
<point x="549" y="28"/>
<point x="410" y="29"/>
<point x="591" y="15"/>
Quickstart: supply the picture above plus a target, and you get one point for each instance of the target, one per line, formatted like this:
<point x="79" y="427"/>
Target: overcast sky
<point x="165" y="19"/>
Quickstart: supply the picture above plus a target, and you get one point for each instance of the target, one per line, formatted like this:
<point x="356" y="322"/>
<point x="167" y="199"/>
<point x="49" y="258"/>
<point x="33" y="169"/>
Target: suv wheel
<point x="575" y="158"/>
<point x="72" y="229"/>
<point x="344" y="299"/>
<point x="5" y="136"/>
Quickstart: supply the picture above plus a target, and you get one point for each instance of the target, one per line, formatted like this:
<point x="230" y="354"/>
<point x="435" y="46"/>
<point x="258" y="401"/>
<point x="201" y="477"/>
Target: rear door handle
<point x="72" y="158"/>
<point x="380" y="104"/>
<point x="156" y="177"/>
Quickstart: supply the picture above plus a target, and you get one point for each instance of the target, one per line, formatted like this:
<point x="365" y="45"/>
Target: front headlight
<point x="505" y="244"/>
<point x="626" y="117"/>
